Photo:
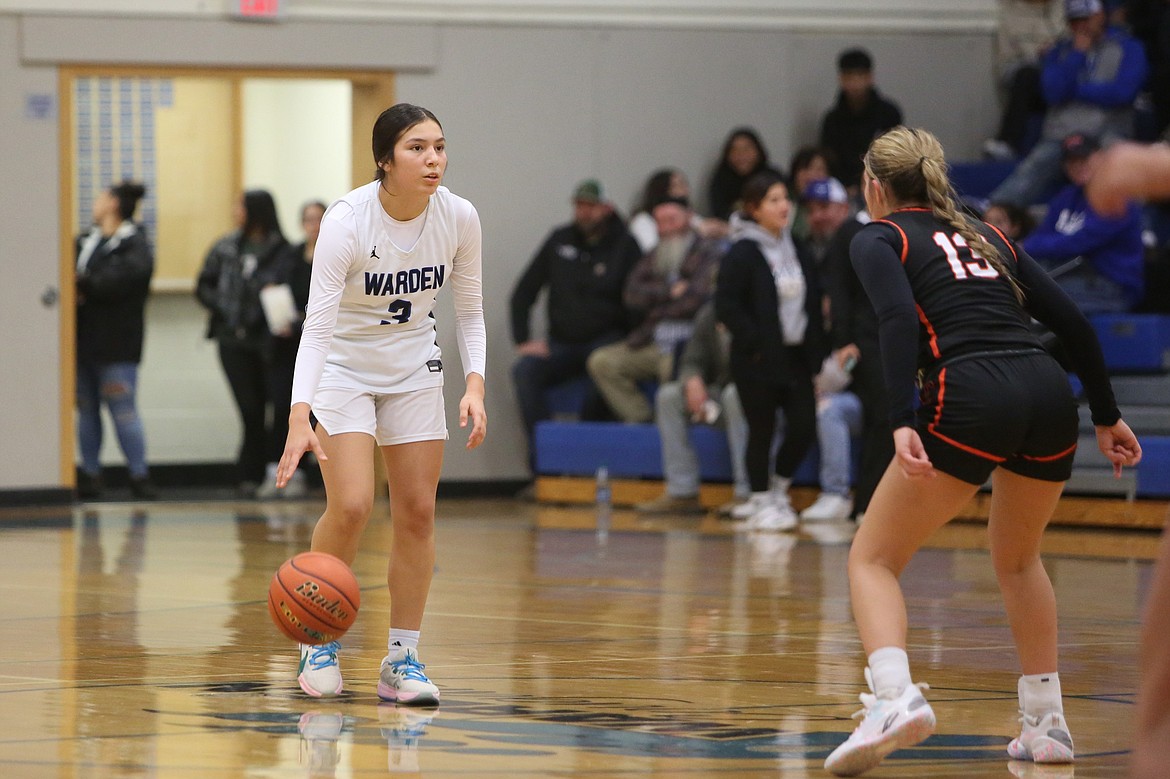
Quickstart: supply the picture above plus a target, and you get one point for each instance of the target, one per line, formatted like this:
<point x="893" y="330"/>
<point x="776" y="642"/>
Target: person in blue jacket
<point x="1097" y="259"/>
<point x="1089" y="79"/>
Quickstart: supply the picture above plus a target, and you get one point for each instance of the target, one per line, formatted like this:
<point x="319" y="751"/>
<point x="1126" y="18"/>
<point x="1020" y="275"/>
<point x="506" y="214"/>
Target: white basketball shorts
<point x="397" y="418"/>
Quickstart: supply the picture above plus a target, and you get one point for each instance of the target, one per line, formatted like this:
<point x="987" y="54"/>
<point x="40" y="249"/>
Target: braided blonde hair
<point x="910" y="163"/>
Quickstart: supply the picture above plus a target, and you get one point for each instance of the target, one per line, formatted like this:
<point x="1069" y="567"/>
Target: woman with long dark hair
<point x="229" y="284"/>
<point x="114" y="265"/>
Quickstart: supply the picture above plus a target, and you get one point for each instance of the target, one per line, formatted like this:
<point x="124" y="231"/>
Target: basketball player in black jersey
<point x="954" y="300"/>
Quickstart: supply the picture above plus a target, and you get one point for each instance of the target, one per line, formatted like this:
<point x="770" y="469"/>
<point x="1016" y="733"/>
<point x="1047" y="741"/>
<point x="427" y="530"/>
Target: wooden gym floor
<point x="135" y="643"/>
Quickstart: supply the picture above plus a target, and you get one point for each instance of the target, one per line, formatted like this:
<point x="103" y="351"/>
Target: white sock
<point x="1040" y="694"/>
<point x="402" y="639"/>
<point x="780" y="485"/>
<point x="889" y="670"/>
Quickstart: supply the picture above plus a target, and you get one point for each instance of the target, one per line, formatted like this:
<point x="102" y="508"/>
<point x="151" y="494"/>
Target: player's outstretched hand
<point x="471" y="407"/>
<point x="1120" y="445"/>
<point x="911" y="455"/>
<point x="301" y="439"/>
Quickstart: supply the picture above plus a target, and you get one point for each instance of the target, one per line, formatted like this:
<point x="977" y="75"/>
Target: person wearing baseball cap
<point x="1099" y="260"/>
<point x="826" y="205"/>
<point x="1090" y="79"/>
<point x="583" y="265"/>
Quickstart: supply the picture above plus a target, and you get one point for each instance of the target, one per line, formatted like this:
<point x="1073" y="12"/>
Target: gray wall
<point x="527" y="109"/>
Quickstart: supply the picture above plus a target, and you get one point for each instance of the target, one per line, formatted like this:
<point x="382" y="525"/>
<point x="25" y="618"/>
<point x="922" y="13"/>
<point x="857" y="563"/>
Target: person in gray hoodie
<point x="769" y="297"/>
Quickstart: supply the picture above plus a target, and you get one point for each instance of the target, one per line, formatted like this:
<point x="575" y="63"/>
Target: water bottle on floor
<point x="604" y="500"/>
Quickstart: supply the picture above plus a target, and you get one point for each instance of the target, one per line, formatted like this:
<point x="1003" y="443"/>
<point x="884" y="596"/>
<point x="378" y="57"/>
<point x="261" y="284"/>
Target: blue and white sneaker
<point x="886" y="725"/>
<point x="318" y="673"/>
<point x="401" y="679"/>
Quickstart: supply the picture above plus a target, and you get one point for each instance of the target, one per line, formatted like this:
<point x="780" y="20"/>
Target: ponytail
<point x="943" y="203"/>
<point x="910" y="163"/>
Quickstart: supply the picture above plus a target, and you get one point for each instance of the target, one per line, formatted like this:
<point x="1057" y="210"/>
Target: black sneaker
<point x="142" y="489"/>
<point x="89" y="486"/>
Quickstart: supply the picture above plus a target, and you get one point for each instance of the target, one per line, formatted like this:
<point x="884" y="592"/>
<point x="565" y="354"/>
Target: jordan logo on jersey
<point x="405" y="282"/>
<point x="374" y="253"/>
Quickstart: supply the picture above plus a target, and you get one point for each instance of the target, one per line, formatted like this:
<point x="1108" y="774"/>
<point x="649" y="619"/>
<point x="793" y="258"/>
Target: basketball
<point x="313" y="598"/>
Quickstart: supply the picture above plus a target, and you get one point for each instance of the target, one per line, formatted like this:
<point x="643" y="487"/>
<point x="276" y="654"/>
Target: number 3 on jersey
<point x="978" y="266"/>
<point x="399" y="312"/>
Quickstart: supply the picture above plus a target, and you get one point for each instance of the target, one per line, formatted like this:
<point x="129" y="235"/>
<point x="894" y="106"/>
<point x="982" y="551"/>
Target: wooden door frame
<point x="373" y="91"/>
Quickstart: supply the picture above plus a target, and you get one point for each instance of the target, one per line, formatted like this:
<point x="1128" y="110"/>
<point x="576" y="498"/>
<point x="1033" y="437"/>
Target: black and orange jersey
<point x="920" y="274"/>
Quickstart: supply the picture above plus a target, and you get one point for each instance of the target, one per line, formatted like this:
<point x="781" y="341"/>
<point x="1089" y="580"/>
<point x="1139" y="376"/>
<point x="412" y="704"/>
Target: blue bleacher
<point x="979" y="179"/>
<point x="1137" y="351"/>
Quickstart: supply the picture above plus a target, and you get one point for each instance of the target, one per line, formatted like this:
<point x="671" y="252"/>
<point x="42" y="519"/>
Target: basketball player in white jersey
<point x="371" y="373"/>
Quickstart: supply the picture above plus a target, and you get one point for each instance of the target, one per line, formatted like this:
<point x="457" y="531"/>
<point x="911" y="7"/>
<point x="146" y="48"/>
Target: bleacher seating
<point x="979" y="179"/>
<point x="1137" y="352"/>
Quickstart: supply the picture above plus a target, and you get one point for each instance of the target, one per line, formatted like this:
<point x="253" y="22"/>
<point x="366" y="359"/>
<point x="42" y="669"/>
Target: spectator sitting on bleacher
<point x="743" y="156"/>
<point x="662" y="294"/>
<point x="702" y="394"/>
<point x="860" y="114"/>
<point x="1013" y="220"/>
<point x="662" y="184"/>
<point x="1099" y="261"/>
<point x="1026" y="30"/>
<point x="769" y="298"/>
<point x="1090" y="80"/>
<point x="809" y="164"/>
<point x="584" y="264"/>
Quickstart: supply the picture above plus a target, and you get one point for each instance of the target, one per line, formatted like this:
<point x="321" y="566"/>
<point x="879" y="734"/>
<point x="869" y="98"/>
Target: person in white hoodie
<point x="768" y="296"/>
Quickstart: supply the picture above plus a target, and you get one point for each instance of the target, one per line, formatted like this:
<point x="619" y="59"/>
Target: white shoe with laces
<point x="318" y="673"/>
<point x="1043" y="740"/>
<point x="401" y="679"/>
<point x="828" y="508"/>
<point x="886" y="725"/>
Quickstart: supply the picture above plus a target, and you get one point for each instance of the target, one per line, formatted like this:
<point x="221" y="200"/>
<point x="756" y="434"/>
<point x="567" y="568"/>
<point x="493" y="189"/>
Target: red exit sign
<point x="258" y="9"/>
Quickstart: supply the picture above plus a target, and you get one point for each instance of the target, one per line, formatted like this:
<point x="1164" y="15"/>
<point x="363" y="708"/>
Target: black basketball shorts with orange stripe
<point x="1009" y="409"/>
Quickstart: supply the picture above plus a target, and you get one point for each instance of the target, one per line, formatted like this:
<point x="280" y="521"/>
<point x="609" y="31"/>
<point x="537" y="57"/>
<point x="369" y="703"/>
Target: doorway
<point x="197" y="138"/>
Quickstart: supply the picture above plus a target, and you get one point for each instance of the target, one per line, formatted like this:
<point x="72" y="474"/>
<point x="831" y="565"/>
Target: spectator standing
<point x="743" y="156"/>
<point x="662" y="294"/>
<point x="840" y="412"/>
<point x="768" y="296"/>
<point x="1090" y="79"/>
<point x="295" y="270"/>
<point x="860" y="114"/>
<point x="584" y="266"/>
<point x="233" y="273"/>
<point x="1098" y="260"/>
<point x="702" y="394"/>
<point x="114" y="265"/>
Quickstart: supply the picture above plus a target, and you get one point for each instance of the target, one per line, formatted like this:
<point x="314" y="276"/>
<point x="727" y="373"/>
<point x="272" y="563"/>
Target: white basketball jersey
<point x="370" y="322"/>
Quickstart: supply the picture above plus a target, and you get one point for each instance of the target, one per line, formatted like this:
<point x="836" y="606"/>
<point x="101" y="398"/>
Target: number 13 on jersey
<point x="977" y="266"/>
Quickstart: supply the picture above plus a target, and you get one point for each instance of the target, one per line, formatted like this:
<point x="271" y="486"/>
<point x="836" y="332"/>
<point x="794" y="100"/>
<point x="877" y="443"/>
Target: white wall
<point x="297" y="143"/>
<point x="528" y="109"/>
<point x="29" y="353"/>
